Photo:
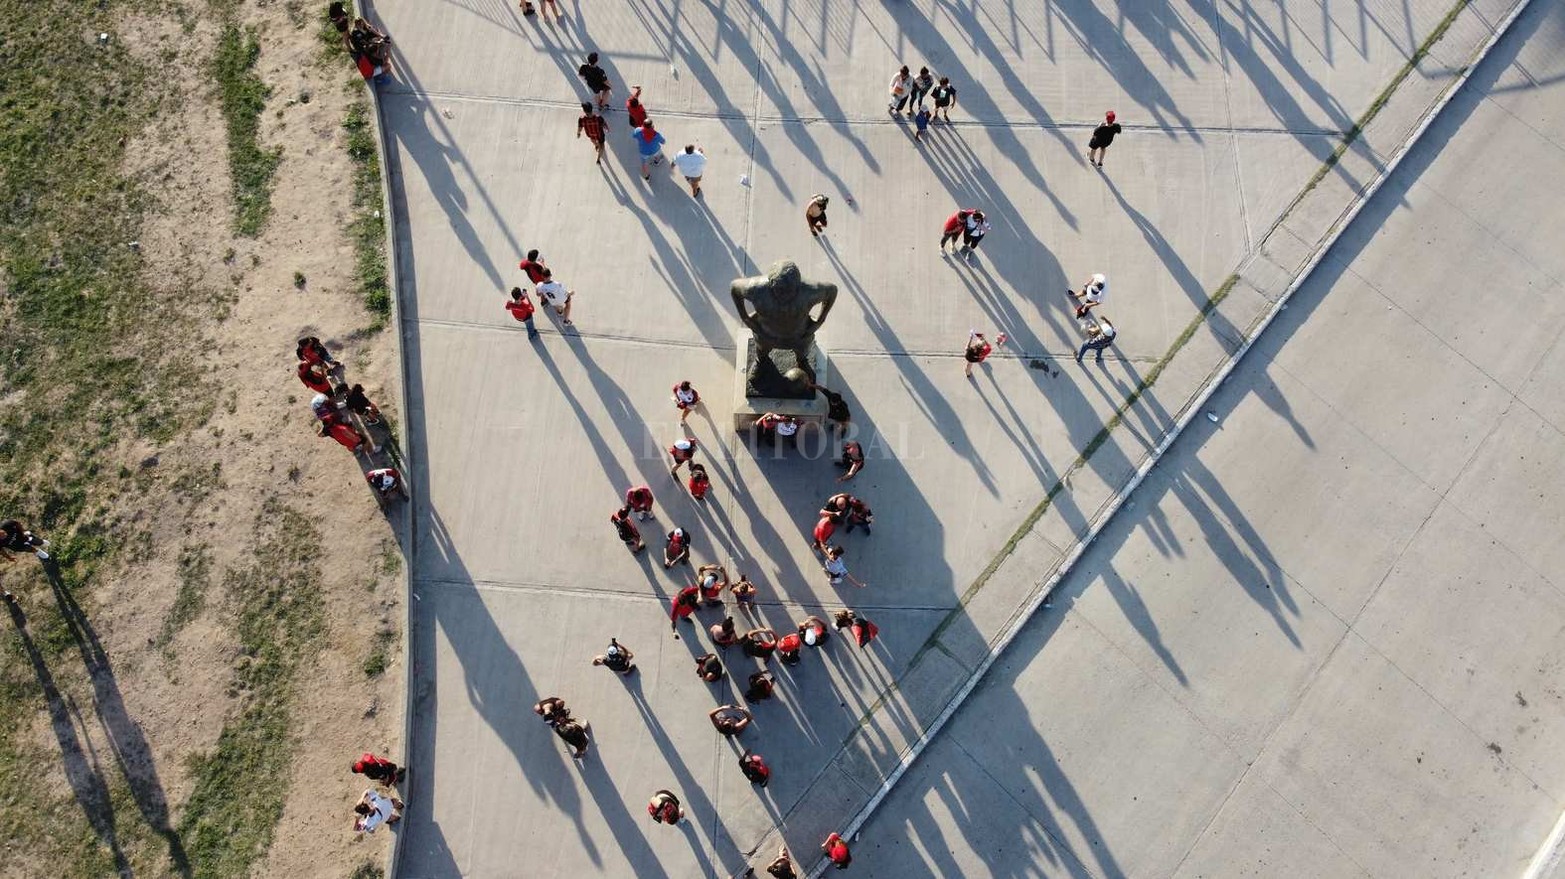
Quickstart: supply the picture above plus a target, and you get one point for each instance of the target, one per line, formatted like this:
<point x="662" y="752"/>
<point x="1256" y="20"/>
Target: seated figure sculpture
<point x="778" y="308"/>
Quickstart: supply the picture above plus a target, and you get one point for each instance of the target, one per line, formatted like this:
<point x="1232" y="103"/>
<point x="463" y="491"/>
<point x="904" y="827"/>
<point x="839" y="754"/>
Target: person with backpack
<point x="617" y="658"/>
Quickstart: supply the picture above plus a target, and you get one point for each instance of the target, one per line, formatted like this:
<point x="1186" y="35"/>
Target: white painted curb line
<point x="1547" y="861"/>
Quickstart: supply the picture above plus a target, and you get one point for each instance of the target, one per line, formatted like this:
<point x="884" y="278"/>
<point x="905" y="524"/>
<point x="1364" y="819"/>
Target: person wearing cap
<point x="1102" y="136"/>
<point x="712" y="579"/>
<point x="837" y="850"/>
<point x="649" y="144"/>
<point x="1092" y="294"/>
<point x="815" y="214"/>
<point x="618" y="658"/>
<point x="676" y="548"/>
<point x="681" y="452"/>
<point x="1099" y="337"/>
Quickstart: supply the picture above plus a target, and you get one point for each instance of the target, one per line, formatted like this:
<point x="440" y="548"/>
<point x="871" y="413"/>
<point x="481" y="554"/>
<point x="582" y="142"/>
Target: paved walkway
<point x="521" y="450"/>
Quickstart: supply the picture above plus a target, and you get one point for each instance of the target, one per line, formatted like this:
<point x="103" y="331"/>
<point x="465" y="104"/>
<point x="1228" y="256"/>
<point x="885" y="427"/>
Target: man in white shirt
<point x="1092" y="294"/>
<point x="555" y="294"/>
<point x="374" y="810"/>
<point x="692" y="164"/>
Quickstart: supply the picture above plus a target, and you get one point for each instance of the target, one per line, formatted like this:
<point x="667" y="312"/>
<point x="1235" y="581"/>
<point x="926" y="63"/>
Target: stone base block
<point x="748" y="408"/>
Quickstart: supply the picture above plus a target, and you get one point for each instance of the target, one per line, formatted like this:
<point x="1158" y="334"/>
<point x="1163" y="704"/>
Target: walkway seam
<point x="1213" y="384"/>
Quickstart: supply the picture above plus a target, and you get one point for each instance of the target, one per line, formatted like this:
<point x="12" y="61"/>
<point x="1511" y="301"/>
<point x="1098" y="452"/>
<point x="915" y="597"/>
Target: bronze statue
<point x="779" y="314"/>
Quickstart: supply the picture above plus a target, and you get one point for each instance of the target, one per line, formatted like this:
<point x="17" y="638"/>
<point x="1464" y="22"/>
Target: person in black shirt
<point x="1102" y="136"/>
<point x="597" y="80"/>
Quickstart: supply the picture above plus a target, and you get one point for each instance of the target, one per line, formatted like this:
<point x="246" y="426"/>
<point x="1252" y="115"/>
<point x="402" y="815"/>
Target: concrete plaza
<point x="520" y="450"/>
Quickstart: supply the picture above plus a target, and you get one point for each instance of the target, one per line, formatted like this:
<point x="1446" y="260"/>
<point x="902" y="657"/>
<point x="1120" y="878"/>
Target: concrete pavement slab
<point x="1259" y="834"/>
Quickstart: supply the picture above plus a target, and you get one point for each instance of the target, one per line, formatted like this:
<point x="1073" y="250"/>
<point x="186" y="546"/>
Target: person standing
<point x="594" y="126"/>
<point x="685" y="399"/>
<point x="379" y="769"/>
<point x="314" y="377"/>
<point x="920" y="87"/>
<point x="553" y="710"/>
<point x="974" y="230"/>
<point x="852" y="460"/>
<point x="723" y="633"/>
<point x="532" y="267"/>
<point x="664" y="808"/>
<point x="555" y="294"/>
<point x="681" y="452"/>
<point x="837" y="570"/>
<point x="709" y="668"/>
<point x="676" y="549"/>
<point x="1098" y="338"/>
<point x="953" y="228"/>
<point x="638" y="499"/>
<point x="837" y="411"/>
<point x="574" y="733"/>
<point x="692" y="164"/>
<point x="387" y="483"/>
<point x="649" y="145"/>
<point x="521" y="308"/>
<point x="744" y="593"/>
<point x="374" y="810"/>
<point x="977" y="351"/>
<point x="618" y="658"/>
<point x="944" y="95"/>
<point x="683" y="605"/>
<point x="16" y="538"/>
<point x="629" y="534"/>
<point x="597" y="80"/>
<point x="754" y="767"/>
<point x="781" y="866"/>
<point x="837" y="850"/>
<point x="358" y="403"/>
<point x="815" y="214"/>
<point x="920" y="124"/>
<point x="636" y="110"/>
<point x="730" y="720"/>
<point x="699" y="483"/>
<point x="898" y="89"/>
<point x="713" y="579"/>
<point x="1092" y="294"/>
<point x="312" y="350"/>
<point x="862" y="630"/>
<point x="1102" y="138"/>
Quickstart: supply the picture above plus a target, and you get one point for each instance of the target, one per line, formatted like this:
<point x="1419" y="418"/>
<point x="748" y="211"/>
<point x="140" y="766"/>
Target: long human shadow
<point x="126" y="740"/>
<point x="82" y="770"/>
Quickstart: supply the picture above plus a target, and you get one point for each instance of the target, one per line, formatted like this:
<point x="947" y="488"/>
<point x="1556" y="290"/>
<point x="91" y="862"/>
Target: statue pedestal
<point x="769" y="392"/>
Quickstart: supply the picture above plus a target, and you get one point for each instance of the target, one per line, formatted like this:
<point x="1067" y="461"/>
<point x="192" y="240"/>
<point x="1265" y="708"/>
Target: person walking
<point x="379" y="769"/>
<point x="634" y="109"/>
<point x="14" y="537"/>
<point x="1092" y="294"/>
<point x="597" y="80"/>
<point x="815" y="214"/>
<point x="594" y="126"/>
<point x="973" y="231"/>
<point x="1098" y="338"/>
<point x="852" y="460"/>
<point x="521" y="308"/>
<point x="898" y="89"/>
<point x="862" y="630"/>
<point x="754" y="767"/>
<point x="676" y="549"/>
<point x="574" y="733"/>
<point x="692" y="164"/>
<point x="555" y="294"/>
<point x="638" y="499"/>
<point x="977" y="351"/>
<point x="919" y="87"/>
<point x="681" y="452"/>
<point x="617" y="658"/>
<point x="683" y="605"/>
<point x="700" y="483"/>
<point x="373" y="810"/>
<point x="1102" y="138"/>
<point x="628" y="533"/>
<point x="664" y="808"/>
<point x="781" y="866"/>
<point x="944" y="96"/>
<point x="649" y="145"/>
<point x="953" y="228"/>
<point x="709" y="668"/>
<point x="532" y="267"/>
<point x="837" y="570"/>
<point x="836" y="849"/>
<point x="730" y="720"/>
<point x="685" y="399"/>
<point x="921" y="124"/>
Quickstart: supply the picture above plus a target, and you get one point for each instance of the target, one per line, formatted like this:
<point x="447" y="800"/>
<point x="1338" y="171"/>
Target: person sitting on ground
<point x="712" y="579"/>
<point x="723" y="634"/>
<point x="772" y="427"/>
<point x="759" y="643"/>
<point x="730" y="720"/>
<point x="852" y="460"/>
<point x="709" y="668"/>
<point x="618" y="658"/>
<point x="677" y="548"/>
<point x="761" y="687"/>
<point x="374" y="810"/>
<point x="387" y="483"/>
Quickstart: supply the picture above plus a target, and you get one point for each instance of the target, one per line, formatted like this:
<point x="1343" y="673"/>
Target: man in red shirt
<point x="521" y="308"/>
<point x="837" y="850"/>
<point x="754" y="768"/>
<point x="379" y="769"/>
<point x="685" y="604"/>
<point x="639" y="499"/>
<point x="532" y="267"/>
<point x="953" y="228"/>
<point x="633" y="107"/>
<point x="823" y="531"/>
<point x="681" y="452"/>
<point x="595" y="127"/>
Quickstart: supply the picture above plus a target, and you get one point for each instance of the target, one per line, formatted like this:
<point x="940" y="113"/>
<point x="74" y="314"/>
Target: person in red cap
<point x="677" y="548"/>
<point x="699" y="483"/>
<point x="681" y="452"/>
<point x="1102" y="136"/>
<point x="754" y="768"/>
<point x="684" y="604"/>
<point x="664" y="808"/>
<point x="379" y="769"/>
<point x="953" y="228"/>
<point x="837" y="850"/>
<point x="639" y="499"/>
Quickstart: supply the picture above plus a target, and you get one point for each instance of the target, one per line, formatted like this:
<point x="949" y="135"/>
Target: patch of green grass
<point x="367" y="229"/>
<point x="380" y="652"/>
<point x="195" y="576"/>
<point x="367" y="870"/>
<point x="333" y="50"/>
<point x="280" y="623"/>
<point x="243" y="97"/>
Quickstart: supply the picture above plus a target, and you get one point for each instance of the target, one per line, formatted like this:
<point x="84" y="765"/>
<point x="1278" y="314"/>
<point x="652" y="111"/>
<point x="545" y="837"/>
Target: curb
<point x="1553" y="851"/>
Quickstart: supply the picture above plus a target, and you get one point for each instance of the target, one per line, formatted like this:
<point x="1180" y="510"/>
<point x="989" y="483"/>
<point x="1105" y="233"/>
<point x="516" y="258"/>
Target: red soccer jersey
<point x="637" y="111"/>
<point x="698" y="487"/>
<point x="824" y="529"/>
<point x="533" y="270"/>
<point x="521" y="309"/>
